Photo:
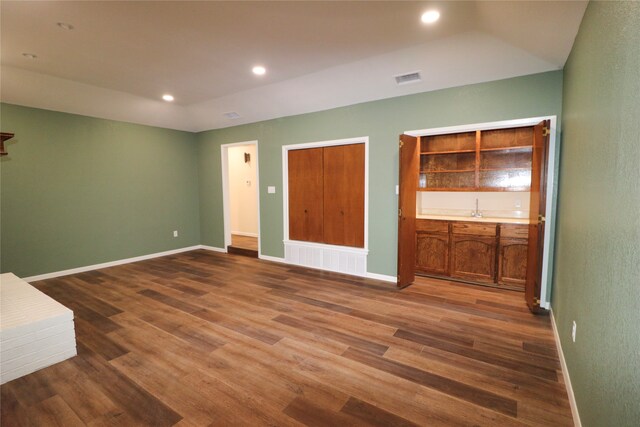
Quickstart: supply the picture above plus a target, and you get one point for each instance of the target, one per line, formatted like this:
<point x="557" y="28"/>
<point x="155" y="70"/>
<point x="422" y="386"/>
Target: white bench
<point x="36" y="331"/>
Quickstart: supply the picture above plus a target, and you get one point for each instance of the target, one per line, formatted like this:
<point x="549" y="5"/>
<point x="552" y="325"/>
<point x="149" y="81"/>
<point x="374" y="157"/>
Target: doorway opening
<point x="241" y="198"/>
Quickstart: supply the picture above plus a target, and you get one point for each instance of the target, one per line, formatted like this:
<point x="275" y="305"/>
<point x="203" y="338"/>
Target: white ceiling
<point x="122" y="56"/>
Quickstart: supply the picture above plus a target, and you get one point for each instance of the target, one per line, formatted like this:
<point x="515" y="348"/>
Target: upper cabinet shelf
<point x="448" y="152"/>
<point x="492" y="160"/>
<point x="519" y="148"/>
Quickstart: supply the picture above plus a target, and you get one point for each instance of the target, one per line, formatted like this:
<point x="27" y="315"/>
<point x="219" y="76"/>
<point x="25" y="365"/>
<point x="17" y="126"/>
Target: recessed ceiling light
<point x="430" y="16"/>
<point x="30" y="55"/>
<point x="259" y="70"/>
<point x="167" y="97"/>
<point x="65" y="26"/>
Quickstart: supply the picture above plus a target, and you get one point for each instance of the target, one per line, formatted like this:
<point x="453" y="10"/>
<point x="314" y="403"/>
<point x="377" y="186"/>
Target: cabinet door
<point x="512" y="263"/>
<point x="305" y="195"/>
<point x="537" y="208"/>
<point x="473" y="258"/>
<point x="344" y="195"/>
<point x="432" y="253"/>
<point x="409" y="163"/>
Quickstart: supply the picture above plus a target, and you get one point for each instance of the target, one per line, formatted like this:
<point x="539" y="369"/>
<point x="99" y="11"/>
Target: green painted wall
<point x="78" y="191"/>
<point x="597" y="275"/>
<point x="382" y="121"/>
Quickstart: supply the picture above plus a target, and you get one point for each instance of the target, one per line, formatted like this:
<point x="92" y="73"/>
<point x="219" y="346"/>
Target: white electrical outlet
<point x="397" y="190"/>
<point x="271" y="189"/>
<point x="518" y="203"/>
<point x="175" y="233"/>
<point x="573" y="332"/>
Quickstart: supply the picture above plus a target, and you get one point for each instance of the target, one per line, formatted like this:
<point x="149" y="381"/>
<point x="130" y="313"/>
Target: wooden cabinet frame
<point x="539" y="296"/>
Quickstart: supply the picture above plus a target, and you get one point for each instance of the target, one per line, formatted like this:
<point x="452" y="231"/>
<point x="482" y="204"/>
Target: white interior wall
<point x="513" y="204"/>
<point x="243" y="196"/>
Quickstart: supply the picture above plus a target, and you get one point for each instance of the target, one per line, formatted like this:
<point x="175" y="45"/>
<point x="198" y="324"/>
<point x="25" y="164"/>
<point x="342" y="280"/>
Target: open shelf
<point x="431" y="153"/>
<point x="504" y="169"/>
<point x="515" y="148"/>
<point x="492" y="160"/>
<point x="448" y="171"/>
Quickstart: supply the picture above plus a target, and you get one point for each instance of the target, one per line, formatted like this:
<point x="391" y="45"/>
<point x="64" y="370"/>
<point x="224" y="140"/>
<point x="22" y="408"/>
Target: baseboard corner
<point x="565" y="372"/>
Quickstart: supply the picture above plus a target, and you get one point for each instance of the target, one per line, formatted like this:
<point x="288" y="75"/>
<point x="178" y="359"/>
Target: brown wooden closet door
<point x="344" y="195"/>
<point x="305" y="195"/>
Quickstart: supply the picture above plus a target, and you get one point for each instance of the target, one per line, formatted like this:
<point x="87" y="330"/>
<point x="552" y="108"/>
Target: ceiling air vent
<point x="232" y="115"/>
<point x="404" y="79"/>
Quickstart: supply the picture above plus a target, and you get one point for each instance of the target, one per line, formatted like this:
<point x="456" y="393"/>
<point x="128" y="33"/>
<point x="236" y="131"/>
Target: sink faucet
<point x="476" y="213"/>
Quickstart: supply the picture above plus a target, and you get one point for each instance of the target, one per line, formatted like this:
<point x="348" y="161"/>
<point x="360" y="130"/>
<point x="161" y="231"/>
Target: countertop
<point x="472" y="219"/>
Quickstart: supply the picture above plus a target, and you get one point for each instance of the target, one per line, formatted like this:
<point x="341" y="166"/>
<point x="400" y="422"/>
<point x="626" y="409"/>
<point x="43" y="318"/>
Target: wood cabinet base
<point x="507" y="287"/>
<point x="488" y="254"/>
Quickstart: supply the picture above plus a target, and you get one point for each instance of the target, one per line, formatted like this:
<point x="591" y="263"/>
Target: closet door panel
<point x="306" y="195"/>
<point x="344" y="195"/>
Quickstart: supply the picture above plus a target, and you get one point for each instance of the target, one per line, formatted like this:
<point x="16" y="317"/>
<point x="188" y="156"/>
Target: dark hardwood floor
<point x="204" y="338"/>
<point x="243" y="245"/>
<point x="245" y="242"/>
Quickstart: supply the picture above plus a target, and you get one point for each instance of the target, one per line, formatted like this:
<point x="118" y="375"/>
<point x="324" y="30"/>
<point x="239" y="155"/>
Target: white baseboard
<point x="108" y="264"/>
<point x="382" y="277"/>
<point x="272" y="258"/>
<point x="61" y="273"/>
<point x="565" y="373"/>
<point x="211" y="248"/>
<point x="242" y="233"/>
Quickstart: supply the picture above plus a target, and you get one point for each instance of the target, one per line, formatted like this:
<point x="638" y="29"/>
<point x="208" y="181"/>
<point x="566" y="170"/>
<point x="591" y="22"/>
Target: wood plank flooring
<point x="243" y="245"/>
<point x="246" y="242"/>
<point x="210" y="339"/>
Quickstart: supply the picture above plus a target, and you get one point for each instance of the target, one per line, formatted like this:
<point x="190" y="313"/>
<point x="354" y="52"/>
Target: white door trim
<point x="226" y="208"/>
<point x="551" y="201"/>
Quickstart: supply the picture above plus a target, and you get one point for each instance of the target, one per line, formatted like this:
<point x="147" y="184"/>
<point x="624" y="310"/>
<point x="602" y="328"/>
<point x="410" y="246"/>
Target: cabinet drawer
<point x="514" y="231"/>
<point x="474" y="228"/>
<point x="432" y="226"/>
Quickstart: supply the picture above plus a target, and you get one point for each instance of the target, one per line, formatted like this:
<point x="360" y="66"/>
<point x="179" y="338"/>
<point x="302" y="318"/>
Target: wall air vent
<point x="232" y="115"/>
<point x="404" y="79"/>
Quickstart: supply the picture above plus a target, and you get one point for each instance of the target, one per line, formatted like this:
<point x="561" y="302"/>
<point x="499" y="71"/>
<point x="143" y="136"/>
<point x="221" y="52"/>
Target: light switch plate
<point x="397" y="189"/>
<point x="271" y="189"/>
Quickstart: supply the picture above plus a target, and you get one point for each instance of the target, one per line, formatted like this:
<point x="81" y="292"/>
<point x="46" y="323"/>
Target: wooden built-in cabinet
<point x="491" y="160"/>
<point x="432" y="247"/>
<point x="473" y="251"/>
<point x="326" y="195"/>
<point x="487" y="253"/>
<point x="512" y="255"/>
